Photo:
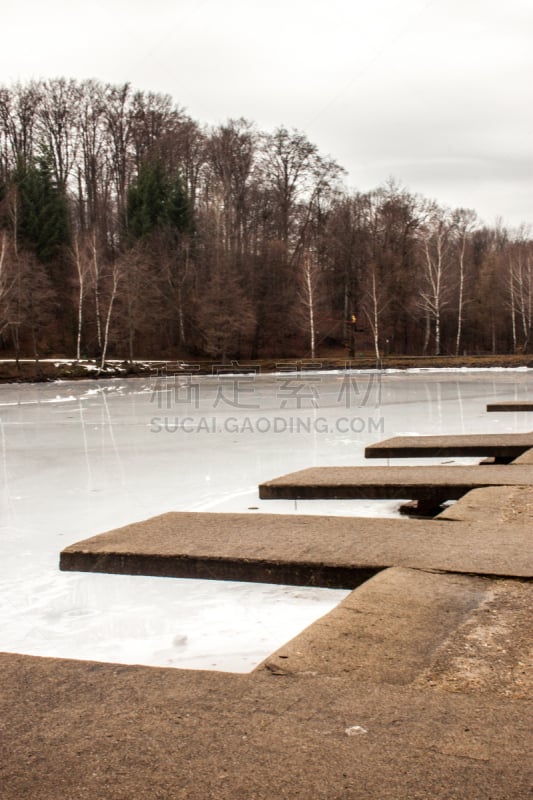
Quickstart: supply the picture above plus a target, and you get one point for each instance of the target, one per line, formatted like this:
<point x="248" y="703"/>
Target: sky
<point x="433" y="93"/>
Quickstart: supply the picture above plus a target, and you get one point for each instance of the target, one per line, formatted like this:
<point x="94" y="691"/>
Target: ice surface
<point x="79" y="458"/>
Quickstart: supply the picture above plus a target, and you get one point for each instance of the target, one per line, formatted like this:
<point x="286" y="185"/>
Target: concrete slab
<point x="499" y="505"/>
<point x="504" y="446"/>
<point x="525" y="458"/>
<point x="430" y="486"/>
<point x="414" y="688"/>
<point x="387" y="631"/>
<point x="98" y="731"/>
<point x="405" y="626"/>
<point x="357" y="729"/>
<point x="338" y="552"/>
<point x="511" y="405"/>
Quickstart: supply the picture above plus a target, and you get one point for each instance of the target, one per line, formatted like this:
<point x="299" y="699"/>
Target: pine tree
<point x="156" y="202"/>
<point x="180" y="215"/>
<point x="43" y="222"/>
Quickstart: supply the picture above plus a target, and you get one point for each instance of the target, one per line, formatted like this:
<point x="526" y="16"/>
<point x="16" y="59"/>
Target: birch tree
<point x="309" y="296"/>
<point x="374" y="305"/>
<point x="520" y="270"/>
<point x="464" y="221"/>
<point x="95" y="273"/>
<point x="83" y="254"/>
<point x="114" y="277"/>
<point x="435" y="239"/>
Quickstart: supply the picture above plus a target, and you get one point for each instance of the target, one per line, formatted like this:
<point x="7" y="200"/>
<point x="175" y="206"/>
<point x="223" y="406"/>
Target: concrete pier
<point x="430" y="486"/>
<point x="502" y="446"/>
<point x="338" y="552"/>
<point x="416" y="687"/>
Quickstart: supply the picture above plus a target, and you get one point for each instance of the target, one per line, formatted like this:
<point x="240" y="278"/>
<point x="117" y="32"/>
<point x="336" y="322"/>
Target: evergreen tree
<point x="155" y="202"/>
<point x="43" y="222"/>
<point x="147" y="200"/>
<point x="180" y="215"/>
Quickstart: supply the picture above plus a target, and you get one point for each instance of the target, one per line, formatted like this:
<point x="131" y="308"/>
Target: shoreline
<point x="52" y="370"/>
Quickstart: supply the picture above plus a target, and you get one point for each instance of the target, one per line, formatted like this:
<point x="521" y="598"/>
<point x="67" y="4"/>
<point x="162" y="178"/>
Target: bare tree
<point x="96" y="282"/>
<point x="5" y="282"/>
<point x="266" y="216"/>
<point x="435" y="238"/>
<point x="83" y="253"/>
<point x="12" y="314"/>
<point x="187" y="145"/>
<point x="464" y="221"/>
<point x="27" y="299"/>
<point x="309" y="296"/>
<point x="93" y="179"/>
<point x="118" y="100"/>
<point x="19" y="109"/>
<point x="38" y="301"/>
<point x="225" y="316"/>
<point x="114" y="277"/>
<point x="141" y="307"/>
<point x="153" y="121"/>
<point x="374" y="304"/>
<point x="177" y="270"/>
<point x="296" y="175"/>
<point x="232" y="149"/>
<point x="520" y="270"/>
<point x="58" y="118"/>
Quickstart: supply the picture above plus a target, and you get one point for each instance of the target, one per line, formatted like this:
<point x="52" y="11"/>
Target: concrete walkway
<point x="417" y="687"/>
<point x="430" y="486"/>
<point x="338" y="552"/>
<point x="503" y="446"/>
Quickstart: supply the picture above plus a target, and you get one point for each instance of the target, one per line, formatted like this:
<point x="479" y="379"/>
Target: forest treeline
<point x="128" y="229"/>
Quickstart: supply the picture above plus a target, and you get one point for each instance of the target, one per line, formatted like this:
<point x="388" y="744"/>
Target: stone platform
<point x="502" y="446"/>
<point x="337" y="552"/>
<point x="430" y="486"/>
<point x="418" y="686"/>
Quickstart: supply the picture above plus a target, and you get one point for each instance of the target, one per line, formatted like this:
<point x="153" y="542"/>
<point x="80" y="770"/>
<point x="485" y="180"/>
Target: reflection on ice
<point x="80" y="458"/>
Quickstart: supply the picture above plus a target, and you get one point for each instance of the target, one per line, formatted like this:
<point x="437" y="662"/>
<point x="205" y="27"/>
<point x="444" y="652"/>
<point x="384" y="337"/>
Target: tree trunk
<point x="461" y="295"/>
<point x="81" y="292"/>
<point x="181" y="318"/>
<point x="130" y="345"/>
<point x="513" y="315"/>
<point x="16" y="344"/>
<point x="109" y="312"/>
<point x="311" y="306"/>
<point x="373" y="316"/>
<point x="38" y="370"/>
<point x="437" y="331"/>
<point x="96" y="270"/>
<point x="427" y="334"/>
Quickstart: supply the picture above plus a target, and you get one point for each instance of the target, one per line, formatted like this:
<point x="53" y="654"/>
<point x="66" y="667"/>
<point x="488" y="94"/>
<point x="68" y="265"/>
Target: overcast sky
<point x="435" y="93"/>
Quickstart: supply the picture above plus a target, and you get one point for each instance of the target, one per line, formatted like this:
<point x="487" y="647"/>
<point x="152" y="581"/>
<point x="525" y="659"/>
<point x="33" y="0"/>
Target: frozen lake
<point x="81" y="458"/>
